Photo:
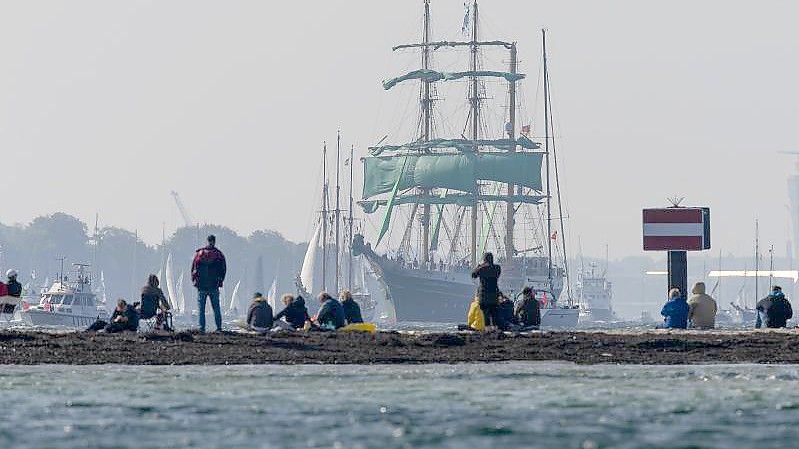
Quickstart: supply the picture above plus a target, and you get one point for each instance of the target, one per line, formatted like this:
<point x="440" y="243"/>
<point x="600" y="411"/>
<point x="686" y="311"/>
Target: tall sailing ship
<point x="453" y="197"/>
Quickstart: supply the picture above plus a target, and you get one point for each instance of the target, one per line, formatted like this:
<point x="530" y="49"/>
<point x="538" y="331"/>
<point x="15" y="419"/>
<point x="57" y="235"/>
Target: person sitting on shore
<point x="153" y="302"/>
<point x="331" y="314"/>
<point x="774" y="310"/>
<point x="675" y="311"/>
<point x="294" y="313"/>
<point x="352" y="311"/>
<point x="488" y="291"/>
<point x="124" y="318"/>
<point x="259" y="315"/>
<point x="528" y="310"/>
<point x="507" y="320"/>
<point x="702" y="308"/>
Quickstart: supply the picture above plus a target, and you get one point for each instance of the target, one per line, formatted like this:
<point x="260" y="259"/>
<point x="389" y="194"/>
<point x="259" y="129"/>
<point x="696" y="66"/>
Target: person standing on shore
<point x="208" y="274"/>
<point x="488" y="291"/>
<point x="675" y="311"/>
<point x="702" y="308"/>
<point x="774" y="310"/>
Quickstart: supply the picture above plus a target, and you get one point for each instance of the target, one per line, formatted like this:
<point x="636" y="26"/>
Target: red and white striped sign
<point x="677" y="229"/>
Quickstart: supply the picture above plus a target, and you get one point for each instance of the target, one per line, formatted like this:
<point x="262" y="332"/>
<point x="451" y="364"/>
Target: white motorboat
<point x="66" y="303"/>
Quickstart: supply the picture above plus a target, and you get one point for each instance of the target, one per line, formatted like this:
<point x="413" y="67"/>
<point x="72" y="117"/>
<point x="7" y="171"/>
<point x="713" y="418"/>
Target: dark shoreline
<point x="188" y="348"/>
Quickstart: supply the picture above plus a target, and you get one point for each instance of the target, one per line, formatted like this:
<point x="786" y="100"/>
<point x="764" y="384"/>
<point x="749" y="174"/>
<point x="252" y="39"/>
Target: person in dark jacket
<point x="352" y="311"/>
<point x="124" y="318"/>
<point x="774" y="310"/>
<point x="528" y="309"/>
<point x="208" y="274"/>
<point x="331" y="314"/>
<point x="488" y="273"/>
<point x="295" y="313"/>
<point x="14" y="287"/>
<point x="506" y="319"/>
<point x="675" y="311"/>
<point x="153" y="302"/>
<point x="259" y="315"/>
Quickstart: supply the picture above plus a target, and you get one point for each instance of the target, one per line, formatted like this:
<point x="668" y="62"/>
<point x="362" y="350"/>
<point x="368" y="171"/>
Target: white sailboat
<point x="183" y="307"/>
<point x="308" y="271"/>
<point x="233" y="307"/>
<point x="271" y="297"/>
<point x="170" y="283"/>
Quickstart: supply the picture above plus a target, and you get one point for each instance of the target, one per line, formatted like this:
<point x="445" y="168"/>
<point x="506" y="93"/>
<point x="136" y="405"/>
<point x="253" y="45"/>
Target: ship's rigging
<point x="477" y="183"/>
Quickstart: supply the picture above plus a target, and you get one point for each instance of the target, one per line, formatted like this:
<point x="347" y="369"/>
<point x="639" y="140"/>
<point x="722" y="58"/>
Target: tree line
<point x="124" y="260"/>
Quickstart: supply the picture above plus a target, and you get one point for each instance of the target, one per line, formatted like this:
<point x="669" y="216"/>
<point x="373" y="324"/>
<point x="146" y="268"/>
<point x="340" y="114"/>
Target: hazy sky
<point x="106" y="106"/>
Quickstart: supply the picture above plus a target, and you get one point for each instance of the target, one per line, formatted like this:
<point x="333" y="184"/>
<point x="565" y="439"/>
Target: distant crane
<point x="183" y="212"/>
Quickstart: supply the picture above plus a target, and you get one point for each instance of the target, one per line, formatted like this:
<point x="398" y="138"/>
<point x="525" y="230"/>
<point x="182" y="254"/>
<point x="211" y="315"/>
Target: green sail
<point x="433" y="75"/>
<point x="459" y="172"/>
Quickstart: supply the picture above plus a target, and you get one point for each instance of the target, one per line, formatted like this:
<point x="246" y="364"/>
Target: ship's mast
<point x="349" y="243"/>
<point x="338" y="208"/>
<point x="475" y="103"/>
<point x="324" y="216"/>
<point x="757" y="259"/>
<point x="546" y="148"/>
<point x="426" y="130"/>
<point x="509" y="219"/>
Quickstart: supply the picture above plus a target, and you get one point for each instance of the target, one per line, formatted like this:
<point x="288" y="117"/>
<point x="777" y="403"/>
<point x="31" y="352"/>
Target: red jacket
<point x="208" y="268"/>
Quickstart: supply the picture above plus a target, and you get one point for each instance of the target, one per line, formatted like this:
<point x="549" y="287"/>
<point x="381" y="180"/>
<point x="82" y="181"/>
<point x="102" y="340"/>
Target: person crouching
<point x="774" y="310"/>
<point x="259" y="315"/>
<point x="506" y="320"/>
<point x="352" y="311"/>
<point x="331" y="314"/>
<point x="528" y="310"/>
<point x="675" y="311"/>
<point x="294" y="313"/>
<point x="124" y="318"/>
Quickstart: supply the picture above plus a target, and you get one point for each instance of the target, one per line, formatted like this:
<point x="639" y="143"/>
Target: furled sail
<point x="459" y="144"/>
<point x="434" y="75"/>
<point x="309" y="262"/>
<point x="451" y="171"/>
<point x="459" y="199"/>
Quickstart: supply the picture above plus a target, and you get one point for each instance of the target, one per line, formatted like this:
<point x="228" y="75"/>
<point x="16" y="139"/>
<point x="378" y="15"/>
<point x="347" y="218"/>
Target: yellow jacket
<point x="475" y="318"/>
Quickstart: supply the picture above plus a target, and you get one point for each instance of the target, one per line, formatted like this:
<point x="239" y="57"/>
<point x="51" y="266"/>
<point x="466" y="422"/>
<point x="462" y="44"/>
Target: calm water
<point x="464" y="406"/>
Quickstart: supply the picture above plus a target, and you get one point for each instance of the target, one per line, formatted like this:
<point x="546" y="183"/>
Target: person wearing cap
<point x="208" y="274"/>
<point x="774" y="310"/>
<point x="259" y="315"/>
<point x="13" y="286"/>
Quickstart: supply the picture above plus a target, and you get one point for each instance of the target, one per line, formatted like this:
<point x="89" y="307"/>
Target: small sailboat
<point x="233" y="306"/>
<point x="271" y="297"/>
<point x="170" y="283"/>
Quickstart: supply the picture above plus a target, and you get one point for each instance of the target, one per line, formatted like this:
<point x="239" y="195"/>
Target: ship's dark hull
<point x="431" y="296"/>
<point x="423" y="296"/>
